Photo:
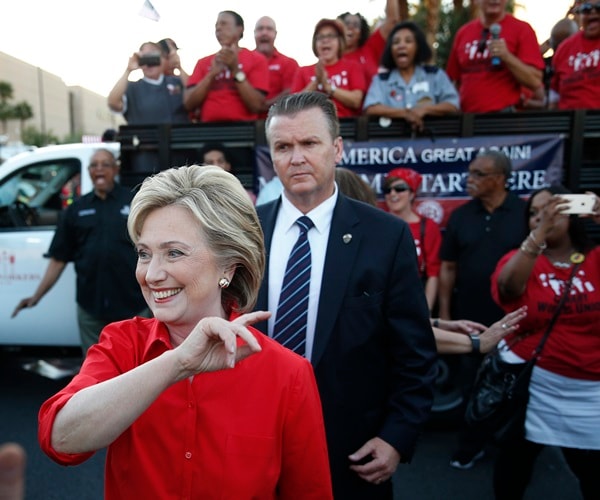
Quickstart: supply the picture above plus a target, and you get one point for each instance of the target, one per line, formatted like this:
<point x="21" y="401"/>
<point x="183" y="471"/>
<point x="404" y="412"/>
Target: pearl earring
<point x="223" y="282"/>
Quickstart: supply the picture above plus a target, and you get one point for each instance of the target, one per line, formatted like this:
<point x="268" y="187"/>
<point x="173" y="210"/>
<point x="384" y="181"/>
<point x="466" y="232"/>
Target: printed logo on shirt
<point x="418" y="247"/>
<point x="579" y="299"/>
<point x="173" y="89"/>
<point x="86" y="212"/>
<point x="476" y="50"/>
<point x="582" y="61"/>
<point x="125" y="210"/>
<point x="580" y="283"/>
<point x="340" y="80"/>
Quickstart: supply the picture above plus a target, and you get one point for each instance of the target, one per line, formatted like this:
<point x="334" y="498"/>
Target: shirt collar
<point x="156" y="82"/>
<point x="320" y="215"/>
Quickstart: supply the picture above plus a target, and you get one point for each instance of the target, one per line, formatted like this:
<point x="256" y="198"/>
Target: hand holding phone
<point x="580" y="204"/>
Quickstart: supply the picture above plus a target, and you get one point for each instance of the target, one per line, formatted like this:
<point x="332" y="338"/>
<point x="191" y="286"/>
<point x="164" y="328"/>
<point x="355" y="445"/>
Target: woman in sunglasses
<point x="410" y="89"/>
<point x="400" y="190"/>
<point x="576" y="80"/>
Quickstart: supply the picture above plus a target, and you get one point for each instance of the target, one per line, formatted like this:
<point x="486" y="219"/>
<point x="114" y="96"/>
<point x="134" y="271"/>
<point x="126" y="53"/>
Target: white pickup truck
<point x="34" y="188"/>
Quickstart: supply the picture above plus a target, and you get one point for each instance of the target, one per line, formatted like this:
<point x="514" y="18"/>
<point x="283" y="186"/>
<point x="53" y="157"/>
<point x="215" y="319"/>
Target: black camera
<point x="149" y="60"/>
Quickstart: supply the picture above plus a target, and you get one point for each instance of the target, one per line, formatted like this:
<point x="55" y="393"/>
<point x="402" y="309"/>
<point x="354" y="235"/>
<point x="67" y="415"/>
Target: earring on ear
<point x="224" y="282"/>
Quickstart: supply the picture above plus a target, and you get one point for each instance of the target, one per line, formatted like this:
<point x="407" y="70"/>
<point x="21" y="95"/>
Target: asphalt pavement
<point x="428" y="477"/>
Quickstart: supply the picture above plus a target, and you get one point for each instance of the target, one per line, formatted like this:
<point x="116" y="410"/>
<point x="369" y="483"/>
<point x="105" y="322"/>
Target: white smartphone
<point x="578" y="203"/>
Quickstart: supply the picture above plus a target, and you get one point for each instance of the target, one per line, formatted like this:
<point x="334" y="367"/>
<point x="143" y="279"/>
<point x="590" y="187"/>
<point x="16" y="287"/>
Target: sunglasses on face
<point x="587" y="8"/>
<point x="396" y="189"/>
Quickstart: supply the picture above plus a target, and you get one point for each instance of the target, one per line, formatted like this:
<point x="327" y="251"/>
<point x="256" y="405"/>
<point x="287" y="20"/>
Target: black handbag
<point x="498" y="403"/>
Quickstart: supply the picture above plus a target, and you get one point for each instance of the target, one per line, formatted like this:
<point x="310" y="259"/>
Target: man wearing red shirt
<point x="490" y="70"/>
<point x="576" y="80"/>
<point x="230" y="85"/>
<point x="281" y="68"/>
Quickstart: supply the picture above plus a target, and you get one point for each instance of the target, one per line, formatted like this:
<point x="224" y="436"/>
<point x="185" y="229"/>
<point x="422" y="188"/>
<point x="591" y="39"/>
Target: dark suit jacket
<point x="374" y="350"/>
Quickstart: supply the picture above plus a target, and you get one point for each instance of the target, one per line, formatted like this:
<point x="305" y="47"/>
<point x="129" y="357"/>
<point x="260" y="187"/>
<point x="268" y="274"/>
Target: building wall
<point x="57" y="109"/>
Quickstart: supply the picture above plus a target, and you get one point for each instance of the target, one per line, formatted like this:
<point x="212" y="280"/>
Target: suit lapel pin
<point x="347" y="238"/>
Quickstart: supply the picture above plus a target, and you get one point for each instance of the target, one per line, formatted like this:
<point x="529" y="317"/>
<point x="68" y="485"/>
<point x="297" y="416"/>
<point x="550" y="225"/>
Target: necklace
<point x="574" y="258"/>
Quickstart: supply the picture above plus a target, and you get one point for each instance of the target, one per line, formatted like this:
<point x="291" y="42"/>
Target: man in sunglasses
<point x="478" y="234"/>
<point x="576" y="80"/>
<point x="493" y="58"/>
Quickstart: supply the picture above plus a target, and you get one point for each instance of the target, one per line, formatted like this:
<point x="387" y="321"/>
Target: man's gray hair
<point x="501" y="162"/>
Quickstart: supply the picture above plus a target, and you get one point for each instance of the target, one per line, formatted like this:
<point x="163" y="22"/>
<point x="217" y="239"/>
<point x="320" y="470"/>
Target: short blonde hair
<point x="225" y="215"/>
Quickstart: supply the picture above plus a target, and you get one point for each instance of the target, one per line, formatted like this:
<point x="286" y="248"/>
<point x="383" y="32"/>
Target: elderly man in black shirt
<point x="478" y="234"/>
<point x="92" y="233"/>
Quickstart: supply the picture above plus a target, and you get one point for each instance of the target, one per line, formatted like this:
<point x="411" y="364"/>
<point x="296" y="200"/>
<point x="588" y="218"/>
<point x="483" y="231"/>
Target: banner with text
<point x="443" y="162"/>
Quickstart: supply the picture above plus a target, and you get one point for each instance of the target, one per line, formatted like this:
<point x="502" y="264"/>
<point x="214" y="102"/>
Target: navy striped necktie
<point x="292" y="311"/>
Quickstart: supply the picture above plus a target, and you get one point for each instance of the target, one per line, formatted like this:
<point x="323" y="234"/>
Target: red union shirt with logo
<point x="344" y="74"/>
<point x="577" y="73"/>
<point x="223" y="101"/>
<point x="482" y="87"/>
<point x="573" y="347"/>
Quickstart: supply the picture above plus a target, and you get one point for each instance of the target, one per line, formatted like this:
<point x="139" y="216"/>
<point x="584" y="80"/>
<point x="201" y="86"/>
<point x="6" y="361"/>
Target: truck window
<point x="36" y="194"/>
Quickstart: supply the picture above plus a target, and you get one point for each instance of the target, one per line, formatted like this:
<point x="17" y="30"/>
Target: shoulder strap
<point x="563" y="299"/>
<point x="422" y="243"/>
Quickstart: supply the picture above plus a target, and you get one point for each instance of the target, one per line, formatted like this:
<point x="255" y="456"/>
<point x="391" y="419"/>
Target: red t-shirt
<point x="281" y="73"/>
<point x="482" y="87"/>
<point x="577" y="73"/>
<point x="429" y="256"/>
<point x="255" y="431"/>
<point x="223" y="102"/>
<point x="369" y="55"/>
<point x="573" y="347"/>
<point x="344" y="74"/>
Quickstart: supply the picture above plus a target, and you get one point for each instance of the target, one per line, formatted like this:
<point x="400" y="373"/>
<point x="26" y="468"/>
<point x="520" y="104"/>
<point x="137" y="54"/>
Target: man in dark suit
<point x="368" y="334"/>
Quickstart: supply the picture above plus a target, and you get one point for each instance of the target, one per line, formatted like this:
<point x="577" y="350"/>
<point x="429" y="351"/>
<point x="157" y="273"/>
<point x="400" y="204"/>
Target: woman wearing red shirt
<point x="194" y="403"/>
<point x="564" y="392"/>
<point x="341" y="79"/>
<point x="400" y="189"/>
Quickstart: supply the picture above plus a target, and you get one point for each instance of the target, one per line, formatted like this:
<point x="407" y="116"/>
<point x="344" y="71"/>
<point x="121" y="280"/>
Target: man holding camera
<point x="155" y="98"/>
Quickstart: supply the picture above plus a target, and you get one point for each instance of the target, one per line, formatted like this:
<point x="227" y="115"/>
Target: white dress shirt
<point x="285" y="234"/>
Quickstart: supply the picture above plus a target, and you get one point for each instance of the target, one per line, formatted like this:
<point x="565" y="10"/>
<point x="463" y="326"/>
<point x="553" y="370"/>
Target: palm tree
<point x="432" y="21"/>
<point x="403" y="4"/>
<point x="6" y="93"/>
<point x="23" y="112"/>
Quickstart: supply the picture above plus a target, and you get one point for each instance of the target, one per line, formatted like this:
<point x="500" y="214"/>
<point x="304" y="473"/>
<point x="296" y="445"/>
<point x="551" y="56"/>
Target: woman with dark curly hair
<point x="564" y="392"/>
<point x="409" y="88"/>
<point x="363" y="46"/>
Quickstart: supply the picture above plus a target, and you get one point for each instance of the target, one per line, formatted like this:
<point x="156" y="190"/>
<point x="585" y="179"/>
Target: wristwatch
<point x="240" y="76"/>
<point x="475" y="342"/>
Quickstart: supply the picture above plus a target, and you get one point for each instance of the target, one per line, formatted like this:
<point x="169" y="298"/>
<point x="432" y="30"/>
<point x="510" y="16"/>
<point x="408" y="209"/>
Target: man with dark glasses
<point x="477" y="235"/>
<point x="576" y="81"/>
<point x="493" y="58"/>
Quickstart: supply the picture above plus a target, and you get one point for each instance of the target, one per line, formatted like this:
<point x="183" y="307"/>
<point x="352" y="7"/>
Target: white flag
<point x="149" y="11"/>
